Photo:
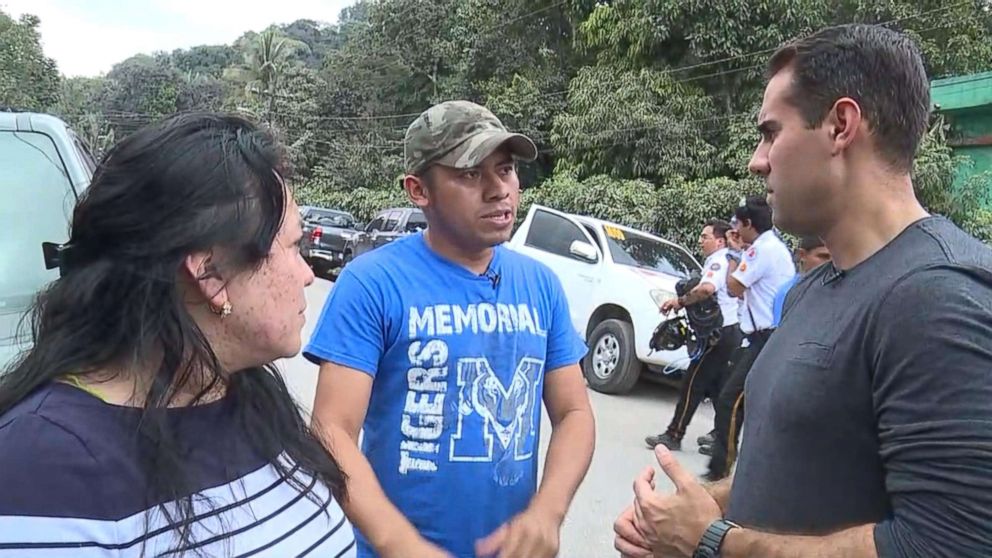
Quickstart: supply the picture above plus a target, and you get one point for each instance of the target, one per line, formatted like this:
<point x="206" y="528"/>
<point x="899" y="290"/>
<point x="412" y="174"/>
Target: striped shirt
<point x="71" y="486"/>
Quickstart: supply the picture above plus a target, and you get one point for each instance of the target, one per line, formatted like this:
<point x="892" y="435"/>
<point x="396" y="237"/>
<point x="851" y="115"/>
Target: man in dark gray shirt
<point x="869" y="423"/>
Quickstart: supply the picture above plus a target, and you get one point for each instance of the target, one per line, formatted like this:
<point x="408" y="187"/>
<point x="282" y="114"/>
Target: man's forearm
<point x="857" y="542"/>
<point x="700" y="293"/>
<point x="720" y="491"/>
<point x="367" y="505"/>
<point x="568" y="459"/>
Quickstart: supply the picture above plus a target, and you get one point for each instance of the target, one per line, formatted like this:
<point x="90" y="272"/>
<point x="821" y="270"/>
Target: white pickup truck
<point x="615" y="279"/>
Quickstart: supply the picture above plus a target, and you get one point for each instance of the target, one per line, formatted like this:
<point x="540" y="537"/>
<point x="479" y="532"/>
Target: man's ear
<point x="204" y="275"/>
<point x="417" y="190"/>
<point x="844" y="123"/>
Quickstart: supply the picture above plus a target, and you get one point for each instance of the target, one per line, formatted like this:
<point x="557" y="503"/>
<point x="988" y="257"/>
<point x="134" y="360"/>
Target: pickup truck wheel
<point x="611" y="366"/>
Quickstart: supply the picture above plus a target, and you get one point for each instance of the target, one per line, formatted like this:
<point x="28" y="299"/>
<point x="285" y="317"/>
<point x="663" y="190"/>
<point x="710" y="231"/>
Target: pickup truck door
<point x="365" y="241"/>
<point x="564" y="245"/>
<point x="390" y="230"/>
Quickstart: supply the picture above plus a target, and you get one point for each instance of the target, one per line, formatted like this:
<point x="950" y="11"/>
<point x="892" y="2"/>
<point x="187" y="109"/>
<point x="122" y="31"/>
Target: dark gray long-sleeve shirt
<point x="872" y="403"/>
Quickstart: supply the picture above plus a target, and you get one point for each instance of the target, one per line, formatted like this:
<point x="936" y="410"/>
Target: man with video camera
<point x="713" y="344"/>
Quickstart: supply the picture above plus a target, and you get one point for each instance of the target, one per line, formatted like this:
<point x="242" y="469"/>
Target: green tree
<point x="523" y="105"/>
<point x="205" y="60"/>
<point x="363" y="203"/>
<point x="933" y="180"/>
<point x="320" y="39"/>
<point x="400" y="59"/>
<point x="138" y="91"/>
<point x="200" y="92"/>
<point x="28" y="79"/>
<point x="78" y="95"/>
<point x="722" y="44"/>
<point x="267" y="59"/>
<point x="79" y="106"/>
<point x="299" y="119"/>
<point x="142" y="85"/>
<point x="643" y="126"/>
<point x="718" y="45"/>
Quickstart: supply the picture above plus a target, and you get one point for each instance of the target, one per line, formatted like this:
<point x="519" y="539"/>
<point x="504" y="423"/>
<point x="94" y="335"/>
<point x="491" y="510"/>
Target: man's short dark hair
<point x="879" y="68"/>
<point x="808" y="243"/>
<point x="757" y="211"/>
<point x="720" y="228"/>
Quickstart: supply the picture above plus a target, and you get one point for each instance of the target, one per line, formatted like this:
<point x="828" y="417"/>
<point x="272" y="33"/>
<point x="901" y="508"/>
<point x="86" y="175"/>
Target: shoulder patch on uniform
<point x="715" y="266"/>
<point x="752" y="253"/>
<point x="709" y="274"/>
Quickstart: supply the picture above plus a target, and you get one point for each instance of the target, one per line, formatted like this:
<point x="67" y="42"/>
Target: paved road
<point x="621" y="424"/>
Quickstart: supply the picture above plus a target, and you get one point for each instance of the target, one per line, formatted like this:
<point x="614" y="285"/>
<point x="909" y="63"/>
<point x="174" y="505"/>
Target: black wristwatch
<point x="709" y="545"/>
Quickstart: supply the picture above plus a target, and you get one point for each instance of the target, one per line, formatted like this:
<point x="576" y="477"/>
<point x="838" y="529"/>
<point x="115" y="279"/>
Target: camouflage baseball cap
<point x="459" y="134"/>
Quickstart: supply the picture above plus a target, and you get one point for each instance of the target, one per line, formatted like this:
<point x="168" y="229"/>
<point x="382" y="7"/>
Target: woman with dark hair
<point x="148" y="418"/>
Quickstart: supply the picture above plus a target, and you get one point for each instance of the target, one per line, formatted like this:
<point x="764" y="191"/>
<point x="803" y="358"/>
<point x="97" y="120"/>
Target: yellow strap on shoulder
<point x="73" y="380"/>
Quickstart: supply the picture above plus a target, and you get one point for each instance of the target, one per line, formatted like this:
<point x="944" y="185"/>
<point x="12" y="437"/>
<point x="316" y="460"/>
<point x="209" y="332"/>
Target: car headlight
<point x="661" y="296"/>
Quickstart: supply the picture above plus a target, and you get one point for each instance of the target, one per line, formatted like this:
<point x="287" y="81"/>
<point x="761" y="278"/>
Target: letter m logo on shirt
<point x="495" y="419"/>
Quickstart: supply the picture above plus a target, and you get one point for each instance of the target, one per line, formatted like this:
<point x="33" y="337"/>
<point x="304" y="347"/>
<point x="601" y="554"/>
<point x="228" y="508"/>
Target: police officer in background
<point x="708" y="371"/>
<point x="765" y="267"/>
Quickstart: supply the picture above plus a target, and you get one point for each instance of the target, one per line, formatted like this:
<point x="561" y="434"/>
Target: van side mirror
<point x="584" y="251"/>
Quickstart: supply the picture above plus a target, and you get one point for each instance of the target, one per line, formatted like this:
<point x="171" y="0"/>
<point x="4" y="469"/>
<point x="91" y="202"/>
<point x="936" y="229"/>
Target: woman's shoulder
<point x="44" y="461"/>
<point x="52" y="419"/>
<point x="46" y="418"/>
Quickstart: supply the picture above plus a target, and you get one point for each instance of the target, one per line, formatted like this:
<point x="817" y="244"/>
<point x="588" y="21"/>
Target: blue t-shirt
<point x="458" y="362"/>
<point x="779" y="302"/>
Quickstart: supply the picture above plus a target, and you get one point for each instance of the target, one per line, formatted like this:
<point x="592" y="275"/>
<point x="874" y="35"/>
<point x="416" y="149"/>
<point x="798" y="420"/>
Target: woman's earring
<point x="224" y="311"/>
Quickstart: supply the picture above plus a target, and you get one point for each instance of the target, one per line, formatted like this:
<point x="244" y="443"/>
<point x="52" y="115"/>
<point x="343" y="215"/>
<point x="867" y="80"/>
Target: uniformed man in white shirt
<point x="707" y="372"/>
<point x="765" y="266"/>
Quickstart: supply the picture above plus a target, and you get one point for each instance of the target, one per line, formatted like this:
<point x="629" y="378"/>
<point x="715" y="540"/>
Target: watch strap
<point x="712" y="540"/>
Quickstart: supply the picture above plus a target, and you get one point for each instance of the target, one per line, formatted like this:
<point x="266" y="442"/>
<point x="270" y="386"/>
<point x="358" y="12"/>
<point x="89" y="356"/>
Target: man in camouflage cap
<point x="442" y="345"/>
<point x="459" y="134"/>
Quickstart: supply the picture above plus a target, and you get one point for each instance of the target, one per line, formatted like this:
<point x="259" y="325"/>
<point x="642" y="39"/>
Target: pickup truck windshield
<point x="630" y="248"/>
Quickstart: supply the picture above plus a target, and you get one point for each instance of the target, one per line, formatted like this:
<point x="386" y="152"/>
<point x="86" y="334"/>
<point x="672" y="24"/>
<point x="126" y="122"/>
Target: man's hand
<point x="674" y="524"/>
<point x="672" y="305"/>
<point x="629" y="541"/>
<point x="532" y="534"/>
<point x="734" y="240"/>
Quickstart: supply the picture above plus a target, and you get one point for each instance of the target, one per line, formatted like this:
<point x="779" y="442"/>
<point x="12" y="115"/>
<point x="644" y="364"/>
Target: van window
<point x="555" y="234"/>
<point x="36" y="201"/>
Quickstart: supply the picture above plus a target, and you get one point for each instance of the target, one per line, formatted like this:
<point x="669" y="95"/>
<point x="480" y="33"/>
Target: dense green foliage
<point x="643" y="110"/>
<point x="28" y="78"/>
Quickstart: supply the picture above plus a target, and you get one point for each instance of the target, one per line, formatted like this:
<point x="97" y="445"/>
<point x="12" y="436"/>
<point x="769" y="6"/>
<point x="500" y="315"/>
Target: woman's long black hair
<point x="191" y="183"/>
